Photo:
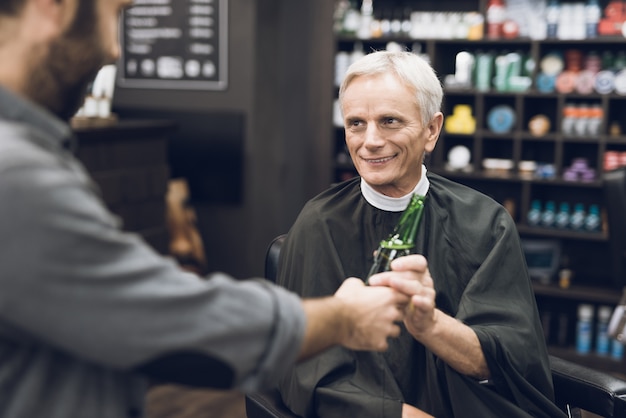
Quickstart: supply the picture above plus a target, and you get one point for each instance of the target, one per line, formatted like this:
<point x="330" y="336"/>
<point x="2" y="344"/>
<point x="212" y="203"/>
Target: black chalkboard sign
<point x="174" y="44"/>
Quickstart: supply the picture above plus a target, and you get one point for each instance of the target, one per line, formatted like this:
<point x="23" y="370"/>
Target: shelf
<point x="578" y="292"/>
<point x="616" y="140"/>
<point x="558" y="43"/>
<point x="513" y="177"/>
<point x="563" y="233"/>
<point x="591" y="360"/>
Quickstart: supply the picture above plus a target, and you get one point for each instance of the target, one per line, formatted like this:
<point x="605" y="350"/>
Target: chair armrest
<point x="267" y="404"/>
<point x="591" y="390"/>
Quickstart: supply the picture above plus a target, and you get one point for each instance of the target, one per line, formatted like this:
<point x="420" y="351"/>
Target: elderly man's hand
<point x="411" y="277"/>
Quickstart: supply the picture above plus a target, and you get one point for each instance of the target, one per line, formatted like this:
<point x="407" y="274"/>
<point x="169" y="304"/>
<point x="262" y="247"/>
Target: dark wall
<point x="280" y="88"/>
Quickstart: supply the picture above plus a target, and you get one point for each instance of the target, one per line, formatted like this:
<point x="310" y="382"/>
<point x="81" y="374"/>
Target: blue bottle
<point x="593" y="13"/>
<point x="584" y="328"/>
<point x="548" y="215"/>
<point x="577" y="220"/>
<point x="617" y="350"/>
<point x="592" y="221"/>
<point x="534" y="214"/>
<point x="562" y="217"/>
<point x="603" y="341"/>
<point x="553" y="11"/>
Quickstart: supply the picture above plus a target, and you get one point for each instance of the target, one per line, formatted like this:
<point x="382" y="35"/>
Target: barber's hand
<point x="411" y="277"/>
<point x="373" y="313"/>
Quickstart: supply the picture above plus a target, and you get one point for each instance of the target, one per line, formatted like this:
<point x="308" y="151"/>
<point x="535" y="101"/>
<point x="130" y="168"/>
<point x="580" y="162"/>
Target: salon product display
<point x="501" y="20"/>
<point x="583" y="72"/>
<point x="567" y="215"/>
<point x="591" y="333"/>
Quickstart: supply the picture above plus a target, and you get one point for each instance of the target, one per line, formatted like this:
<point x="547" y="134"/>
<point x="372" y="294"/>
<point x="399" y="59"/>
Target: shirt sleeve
<point x="71" y="278"/>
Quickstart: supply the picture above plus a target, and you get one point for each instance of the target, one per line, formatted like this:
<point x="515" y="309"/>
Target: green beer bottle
<point x="402" y="240"/>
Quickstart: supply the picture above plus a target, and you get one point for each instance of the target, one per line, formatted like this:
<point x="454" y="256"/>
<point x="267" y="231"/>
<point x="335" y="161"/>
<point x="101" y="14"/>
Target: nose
<point x="373" y="137"/>
<point x="114" y="52"/>
<point x="111" y="42"/>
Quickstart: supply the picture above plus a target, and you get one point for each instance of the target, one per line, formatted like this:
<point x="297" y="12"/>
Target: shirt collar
<point x="394" y="204"/>
<point x="51" y="131"/>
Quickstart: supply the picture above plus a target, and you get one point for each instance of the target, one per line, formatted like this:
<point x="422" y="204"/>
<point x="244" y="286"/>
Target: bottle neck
<point x="405" y="231"/>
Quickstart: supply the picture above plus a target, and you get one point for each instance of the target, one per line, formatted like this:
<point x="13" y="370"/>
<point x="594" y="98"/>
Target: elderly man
<point x="471" y="343"/>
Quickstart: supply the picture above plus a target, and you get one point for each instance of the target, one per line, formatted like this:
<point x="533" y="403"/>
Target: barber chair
<point x="577" y="388"/>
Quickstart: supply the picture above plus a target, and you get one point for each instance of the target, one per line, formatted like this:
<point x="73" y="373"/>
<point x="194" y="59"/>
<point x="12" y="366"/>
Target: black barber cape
<point x="479" y="271"/>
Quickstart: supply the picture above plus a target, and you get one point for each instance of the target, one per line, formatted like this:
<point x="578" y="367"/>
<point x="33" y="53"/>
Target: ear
<point x="434" y="129"/>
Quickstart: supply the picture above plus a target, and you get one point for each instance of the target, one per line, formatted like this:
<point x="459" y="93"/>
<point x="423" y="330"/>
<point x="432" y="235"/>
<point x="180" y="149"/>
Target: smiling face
<point x="385" y="134"/>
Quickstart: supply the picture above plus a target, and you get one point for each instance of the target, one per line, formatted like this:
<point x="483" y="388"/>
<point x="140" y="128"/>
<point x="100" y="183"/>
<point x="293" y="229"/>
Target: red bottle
<point x="496" y="15"/>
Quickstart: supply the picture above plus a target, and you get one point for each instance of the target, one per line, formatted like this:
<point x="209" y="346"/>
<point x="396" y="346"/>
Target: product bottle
<point x="367" y="17"/>
<point x="341" y="7"/>
<point x="548" y="215"/>
<point x="570" y="114"/>
<point x="484" y="70"/>
<point x="357" y="52"/>
<point x="603" y="342"/>
<point x="553" y="11"/>
<point x="584" y="328"/>
<point x="577" y="221"/>
<point x="562" y="217"/>
<point x="594" y="125"/>
<point x="617" y="324"/>
<point x="593" y="13"/>
<point x="620" y="61"/>
<point x="496" y="14"/>
<point x="351" y="19"/>
<point x="617" y="350"/>
<point x="534" y="214"/>
<point x="582" y="120"/>
<point x="592" y="221"/>
<point x="402" y="240"/>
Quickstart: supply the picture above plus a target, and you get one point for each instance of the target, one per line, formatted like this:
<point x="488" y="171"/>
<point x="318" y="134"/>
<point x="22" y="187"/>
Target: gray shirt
<point x="87" y="310"/>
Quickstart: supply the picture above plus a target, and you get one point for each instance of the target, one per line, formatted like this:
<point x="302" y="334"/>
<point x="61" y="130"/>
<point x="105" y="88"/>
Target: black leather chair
<point x="269" y="404"/>
<point x="614" y="186"/>
<point x="576" y="387"/>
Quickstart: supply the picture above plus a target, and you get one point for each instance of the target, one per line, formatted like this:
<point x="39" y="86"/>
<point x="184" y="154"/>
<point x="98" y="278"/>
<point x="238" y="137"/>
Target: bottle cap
<point x="604" y="313"/>
<point x="585" y="311"/>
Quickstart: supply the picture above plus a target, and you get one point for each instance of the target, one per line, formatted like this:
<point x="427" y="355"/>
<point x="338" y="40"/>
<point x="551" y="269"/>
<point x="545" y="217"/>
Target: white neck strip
<point x="394" y="204"/>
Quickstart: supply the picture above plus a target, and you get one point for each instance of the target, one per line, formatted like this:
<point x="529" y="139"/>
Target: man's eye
<point x="389" y="121"/>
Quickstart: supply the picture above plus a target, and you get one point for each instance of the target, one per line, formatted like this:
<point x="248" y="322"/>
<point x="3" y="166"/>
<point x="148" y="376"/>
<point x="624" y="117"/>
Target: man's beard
<point x="59" y="82"/>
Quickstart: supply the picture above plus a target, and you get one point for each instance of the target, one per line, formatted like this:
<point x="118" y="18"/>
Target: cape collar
<point x="394" y="204"/>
